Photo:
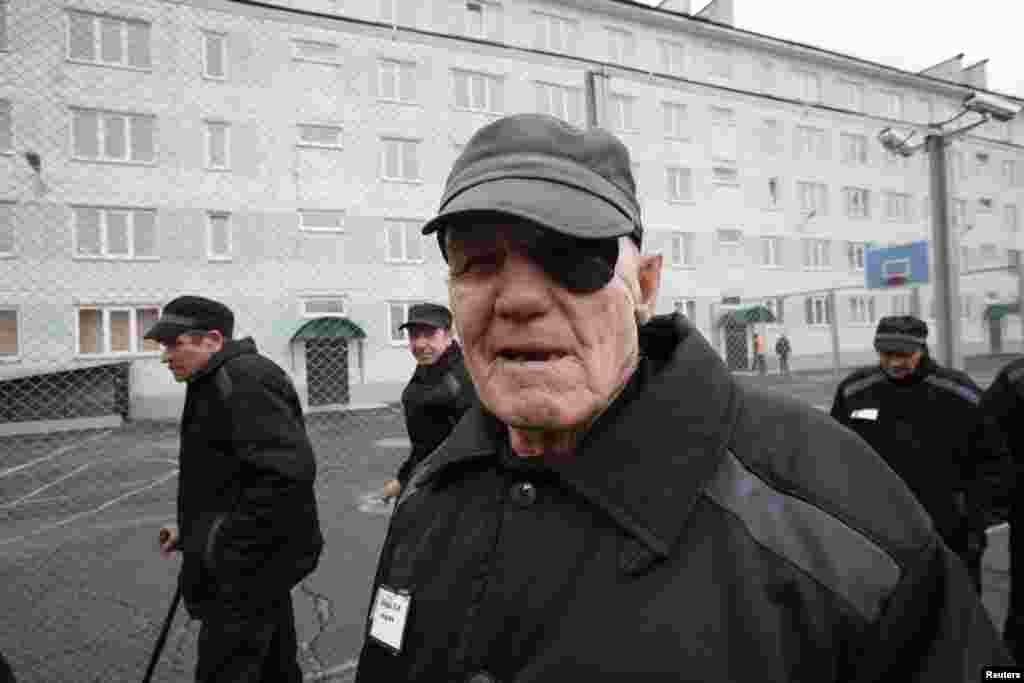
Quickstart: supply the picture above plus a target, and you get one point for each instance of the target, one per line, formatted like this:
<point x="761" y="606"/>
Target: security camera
<point x="999" y="108"/>
<point x="893" y="142"/>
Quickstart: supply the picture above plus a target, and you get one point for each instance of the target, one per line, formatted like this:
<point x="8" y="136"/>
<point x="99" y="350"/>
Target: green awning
<point x="1000" y="311"/>
<point x="748" y="315"/>
<point x="329" y="328"/>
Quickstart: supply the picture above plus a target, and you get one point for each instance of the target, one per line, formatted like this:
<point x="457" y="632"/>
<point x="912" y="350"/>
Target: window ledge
<point x="470" y="110"/>
<point x="686" y="202"/>
<point x="114" y="162"/>
<point x="123" y="67"/>
<point x="402" y="181"/>
<point x="215" y="79"/>
<point x="323" y="231"/>
<point x="217" y="169"/>
<point x="325" y="62"/>
<point x="408" y="103"/>
<point x="404" y="262"/>
<point x="679" y="138"/>
<point x="771" y="266"/>
<point x="103" y="257"/>
<point x="313" y="145"/>
<point x="130" y="355"/>
<point x="219" y="259"/>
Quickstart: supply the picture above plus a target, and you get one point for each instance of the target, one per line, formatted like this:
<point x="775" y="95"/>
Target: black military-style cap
<point x="541" y="169"/>
<point x="901" y="334"/>
<point x="434" y="315"/>
<point x="192" y="313"/>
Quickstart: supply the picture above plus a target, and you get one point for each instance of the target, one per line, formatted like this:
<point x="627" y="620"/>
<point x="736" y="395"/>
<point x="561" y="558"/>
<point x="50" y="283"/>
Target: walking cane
<point x="162" y="640"/>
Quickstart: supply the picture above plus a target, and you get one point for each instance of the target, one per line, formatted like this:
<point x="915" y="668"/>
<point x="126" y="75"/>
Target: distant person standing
<point x="782" y="350"/>
<point x="247" y="526"/>
<point x="926" y="421"/>
<point x="1004" y="401"/>
<point x="760" y="361"/>
<point x="438" y="393"/>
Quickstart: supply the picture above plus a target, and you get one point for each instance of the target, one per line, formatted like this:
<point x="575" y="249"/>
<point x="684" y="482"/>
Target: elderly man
<point x="439" y="392"/>
<point x="616" y="507"/>
<point x="926" y="422"/>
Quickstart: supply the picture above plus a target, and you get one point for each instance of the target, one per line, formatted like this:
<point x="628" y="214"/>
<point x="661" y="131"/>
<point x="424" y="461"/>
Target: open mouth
<point x="528" y="356"/>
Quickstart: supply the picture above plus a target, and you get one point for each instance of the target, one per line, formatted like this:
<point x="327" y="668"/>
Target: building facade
<point x="281" y="156"/>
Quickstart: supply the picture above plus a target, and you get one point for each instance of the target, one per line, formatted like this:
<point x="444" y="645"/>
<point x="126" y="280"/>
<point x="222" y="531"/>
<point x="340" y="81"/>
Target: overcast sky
<point x="908" y="34"/>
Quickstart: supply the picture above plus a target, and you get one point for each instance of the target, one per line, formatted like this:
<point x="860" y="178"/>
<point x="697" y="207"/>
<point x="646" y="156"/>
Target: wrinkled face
<point x="427" y="343"/>
<point x="189" y="353"/>
<point x="541" y="357"/>
<point x="899" y="365"/>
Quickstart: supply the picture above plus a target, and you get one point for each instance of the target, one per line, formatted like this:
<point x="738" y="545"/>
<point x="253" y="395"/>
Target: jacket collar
<point x="232" y="349"/>
<point x="646" y="459"/>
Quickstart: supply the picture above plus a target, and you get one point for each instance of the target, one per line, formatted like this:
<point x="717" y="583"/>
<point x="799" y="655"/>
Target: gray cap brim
<point x="562" y="208"/>
<point x="166" y="330"/>
<point x="897" y="346"/>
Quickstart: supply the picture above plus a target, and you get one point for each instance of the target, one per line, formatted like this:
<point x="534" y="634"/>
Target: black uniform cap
<point x="434" y="315"/>
<point x="192" y="314"/>
<point x="901" y="334"/>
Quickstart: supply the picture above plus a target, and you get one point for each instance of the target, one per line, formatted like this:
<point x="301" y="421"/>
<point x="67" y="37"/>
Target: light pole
<point x="944" y="242"/>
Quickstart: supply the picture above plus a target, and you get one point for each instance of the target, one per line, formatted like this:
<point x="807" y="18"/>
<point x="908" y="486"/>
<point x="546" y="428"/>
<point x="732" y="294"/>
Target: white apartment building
<point x="281" y="159"/>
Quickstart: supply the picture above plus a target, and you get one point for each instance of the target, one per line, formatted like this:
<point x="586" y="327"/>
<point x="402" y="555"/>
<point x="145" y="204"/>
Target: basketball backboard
<point x="896" y="266"/>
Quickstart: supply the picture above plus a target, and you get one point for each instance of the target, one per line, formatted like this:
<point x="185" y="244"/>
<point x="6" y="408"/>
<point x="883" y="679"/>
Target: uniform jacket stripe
<point x="949" y="385"/>
<point x="861" y="384"/>
<point x="837" y="556"/>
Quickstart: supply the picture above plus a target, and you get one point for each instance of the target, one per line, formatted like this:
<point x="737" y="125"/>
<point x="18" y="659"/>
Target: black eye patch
<point x="582" y="266"/>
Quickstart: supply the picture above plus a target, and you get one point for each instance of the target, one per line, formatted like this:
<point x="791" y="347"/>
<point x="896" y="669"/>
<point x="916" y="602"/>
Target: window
<point x="8" y="324"/>
<point x="319" y="307"/>
<point x="680" y="184"/>
<point x="6" y="127"/>
<point x="723" y="134"/>
<point x="810" y="143"/>
<point x="774" y="193"/>
<point x="1009" y="168"/>
<point x="851" y="95"/>
<point x="400" y="159"/>
<point x="818" y="310"/>
<point x="316" y="52"/>
<point x="808" y="86"/>
<point x="687" y="307"/>
<point x="719" y="60"/>
<point x="114" y="232"/>
<point x="672" y="57"/>
<point x="217" y="146"/>
<point x="771" y="137"/>
<point x="561" y="101"/>
<point x="776" y="306"/>
<point x="215" y="55"/>
<point x="318" y="220"/>
<point x="981" y="163"/>
<point x="862" y="309"/>
<point x="319" y="135"/>
<point x="397" y="11"/>
<point x="483" y="20"/>
<point x="478" y="92"/>
<point x="621" y="45"/>
<point x="110" y="330"/>
<point x="398" y="314"/>
<point x="397" y="81"/>
<point x="218" y="236"/>
<point x="1010" y="218"/>
<point x="620" y="112"/>
<point x="112" y="136"/>
<point x="813" y="197"/>
<point x="771" y="248"/>
<point x="858" y="202"/>
<point x="555" y="34"/>
<point x="682" y="246"/>
<point x="676" y="121"/>
<point x="6" y="228"/>
<point x="405" y="242"/>
<point x="725" y="175"/>
<point x="109" y="40"/>
<point x="897" y="207"/>
<point x="855" y="149"/>
<point x="816" y="254"/>
<point x="892" y="104"/>
<point x="855" y="254"/>
<point x="729" y="237"/>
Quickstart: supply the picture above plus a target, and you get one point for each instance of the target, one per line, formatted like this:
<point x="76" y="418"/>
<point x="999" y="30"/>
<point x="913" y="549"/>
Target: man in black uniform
<point x="439" y="392"/>
<point x="247" y="526"/>
<point x="926" y="422"/>
<point x="1004" y="401"/>
<point x="616" y="506"/>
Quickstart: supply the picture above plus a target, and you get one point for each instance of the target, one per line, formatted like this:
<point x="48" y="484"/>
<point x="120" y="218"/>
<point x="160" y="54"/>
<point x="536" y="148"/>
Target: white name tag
<point x="865" y="414"/>
<point x="387" y="624"/>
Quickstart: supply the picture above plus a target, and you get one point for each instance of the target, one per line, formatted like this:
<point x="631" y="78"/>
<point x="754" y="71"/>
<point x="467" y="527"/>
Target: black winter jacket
<point x="1004" y="401"/>
<point x="931" y="430"/>
<point x="701" y="532"/>
<point x="247" y="513"/>
<point x="434" y="400"/>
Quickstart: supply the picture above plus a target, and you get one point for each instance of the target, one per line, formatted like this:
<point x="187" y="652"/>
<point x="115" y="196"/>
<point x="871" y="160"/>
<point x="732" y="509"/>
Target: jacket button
<point x="524" y="493"/>
<point x="481" y="677"/>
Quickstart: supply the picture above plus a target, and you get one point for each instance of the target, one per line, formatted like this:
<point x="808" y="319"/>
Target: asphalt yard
<point x="84" y="589"/>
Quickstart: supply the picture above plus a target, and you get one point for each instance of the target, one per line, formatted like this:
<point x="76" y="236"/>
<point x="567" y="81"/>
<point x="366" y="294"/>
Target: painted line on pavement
<point x="42" y="488"/>
<point x="60" y="451"/>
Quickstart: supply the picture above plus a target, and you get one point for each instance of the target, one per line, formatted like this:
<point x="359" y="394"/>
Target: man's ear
<point x="649" y="277"/>
<point x="217" y="340"/>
